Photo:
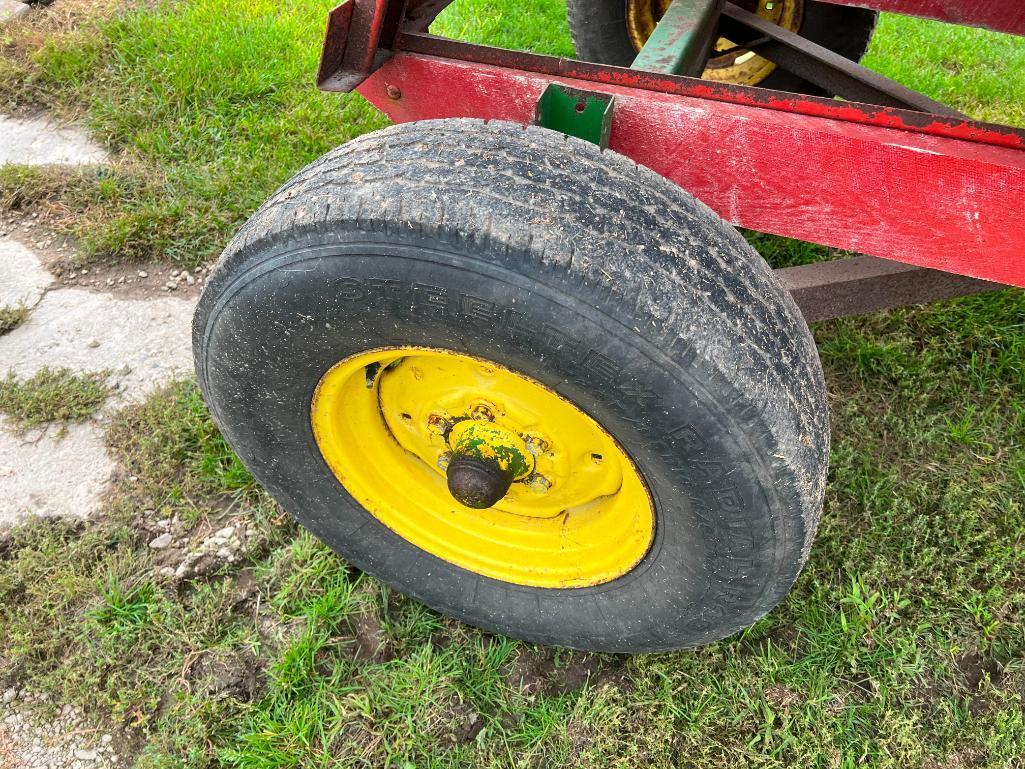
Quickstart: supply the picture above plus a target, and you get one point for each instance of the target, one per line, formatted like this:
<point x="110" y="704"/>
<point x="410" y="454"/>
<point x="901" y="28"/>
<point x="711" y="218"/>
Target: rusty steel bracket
<point x="357" y="41"/>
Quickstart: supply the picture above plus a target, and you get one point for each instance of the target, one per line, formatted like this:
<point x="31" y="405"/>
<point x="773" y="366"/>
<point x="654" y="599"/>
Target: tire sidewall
<point x="723" y="552"/>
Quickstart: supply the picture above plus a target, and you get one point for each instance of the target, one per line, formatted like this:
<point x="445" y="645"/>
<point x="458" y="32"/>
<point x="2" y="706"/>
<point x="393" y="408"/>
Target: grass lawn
<point x="902" y="644"/>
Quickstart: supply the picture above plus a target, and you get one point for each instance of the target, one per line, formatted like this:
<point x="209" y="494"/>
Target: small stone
<point x="9" y="695"/>
<point x="174" y="273"/>
<point x="189" y="279"/>
<point x="143" y="274"/>
<point x="93" y="343"/>
<point x="133" y="478"/>
<point x="224" y="533"/>
<point x="159" y="543"/>
<point x="106" y="739"/>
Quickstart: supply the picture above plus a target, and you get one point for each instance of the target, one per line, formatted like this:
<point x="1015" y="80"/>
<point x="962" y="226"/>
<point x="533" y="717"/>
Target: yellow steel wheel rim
<point x="743" y="67"/>
<point x="578" y="514"/>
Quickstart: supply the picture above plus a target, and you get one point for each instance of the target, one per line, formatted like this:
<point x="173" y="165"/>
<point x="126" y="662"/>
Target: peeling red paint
<point x="934" y="192"/>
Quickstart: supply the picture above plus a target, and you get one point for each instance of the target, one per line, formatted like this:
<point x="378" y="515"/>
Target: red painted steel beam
<point x="999" y="15"/>
<point x="932" y="201"/>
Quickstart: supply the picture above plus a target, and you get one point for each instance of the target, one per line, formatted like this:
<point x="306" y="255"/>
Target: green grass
<point x="212" y="104"/>
<point x="900" y="646"/>
<point x="53" y="395"/>
<point x="12" y="317"/>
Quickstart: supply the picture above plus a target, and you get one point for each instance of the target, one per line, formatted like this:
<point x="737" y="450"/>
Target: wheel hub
<point x="486" y="459"/>
<point x="483" y="467"/>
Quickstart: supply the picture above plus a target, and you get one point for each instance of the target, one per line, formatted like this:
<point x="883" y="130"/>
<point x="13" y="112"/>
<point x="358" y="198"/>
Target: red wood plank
<point x="931" y="201"/>
<point x="1001" y="15"/>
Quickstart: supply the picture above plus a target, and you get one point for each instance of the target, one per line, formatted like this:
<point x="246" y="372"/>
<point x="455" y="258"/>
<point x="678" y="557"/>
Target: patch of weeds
<point x="53" y="395"/>
<point x="179" y="462"/>
<point x="97" y="205"/>
<point x="123" y="608"/>
<point x="12" y="317"/>
<point x="785" y="252"/>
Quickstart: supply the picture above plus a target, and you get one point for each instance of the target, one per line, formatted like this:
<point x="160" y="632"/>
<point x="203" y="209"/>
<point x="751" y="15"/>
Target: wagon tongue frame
<point x="931" y="198"/>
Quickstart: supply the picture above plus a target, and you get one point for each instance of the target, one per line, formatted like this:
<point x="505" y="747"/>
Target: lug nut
<point x="536" y="446"/>
<point x="482" y="412"/>
<point x="438" y="424"/>
<point x="538" y="484"/>
<point x="444" y="460"/>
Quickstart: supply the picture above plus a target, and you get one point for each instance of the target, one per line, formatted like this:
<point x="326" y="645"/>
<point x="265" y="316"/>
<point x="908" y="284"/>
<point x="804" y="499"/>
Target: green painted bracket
<point x="584" y="114"/>
<point x="682" y="39"/>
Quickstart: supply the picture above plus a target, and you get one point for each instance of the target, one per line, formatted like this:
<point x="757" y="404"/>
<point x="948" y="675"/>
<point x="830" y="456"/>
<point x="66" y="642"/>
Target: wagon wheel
<point x="613" y="31"/>
<point x="527" y="382"/>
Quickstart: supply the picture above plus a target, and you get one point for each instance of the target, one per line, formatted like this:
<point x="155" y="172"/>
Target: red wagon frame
<point x="932" y="199"/>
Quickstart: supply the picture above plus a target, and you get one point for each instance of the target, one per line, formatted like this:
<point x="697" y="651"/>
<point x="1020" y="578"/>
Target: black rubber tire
<point x="572" y="265"/>
<point x="598" y="29"/>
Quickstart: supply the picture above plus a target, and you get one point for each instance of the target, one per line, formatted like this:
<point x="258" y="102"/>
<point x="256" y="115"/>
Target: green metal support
<point x="584" y="114"/>
<point x="682" y="40"/>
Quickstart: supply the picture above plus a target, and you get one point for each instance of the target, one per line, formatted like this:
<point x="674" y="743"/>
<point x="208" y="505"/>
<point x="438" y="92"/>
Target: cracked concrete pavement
<point x="143" y="342"/>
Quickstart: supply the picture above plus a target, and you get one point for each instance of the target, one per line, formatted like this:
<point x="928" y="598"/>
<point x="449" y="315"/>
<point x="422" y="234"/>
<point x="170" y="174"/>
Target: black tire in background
<point x="588" y="273"/>
<point x="598" y="29"/>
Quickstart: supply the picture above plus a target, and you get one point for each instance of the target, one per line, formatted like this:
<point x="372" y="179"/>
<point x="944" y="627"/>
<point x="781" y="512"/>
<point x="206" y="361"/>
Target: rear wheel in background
<point x="527" y="382"/>
<point x="613" y="31"/>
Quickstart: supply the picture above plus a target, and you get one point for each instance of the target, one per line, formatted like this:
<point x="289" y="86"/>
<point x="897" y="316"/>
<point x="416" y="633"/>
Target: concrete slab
<point x="145" y="341"/>
<point x="40" y="141"/>
<point x="22" y="277"/>
<point x="12" y="9"/>
<point x="43" y="473"/>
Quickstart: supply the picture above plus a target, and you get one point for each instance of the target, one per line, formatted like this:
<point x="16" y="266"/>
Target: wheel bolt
<point x="536" y="446"/>
<point x="538" y="484"/>
<point x="438" y="424"/>
<point x="482" y="412"/>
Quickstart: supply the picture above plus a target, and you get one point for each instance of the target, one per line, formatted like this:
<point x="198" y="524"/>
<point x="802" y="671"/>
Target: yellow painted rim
<point x="739" y="67"/>
<point x="578" y="514"/>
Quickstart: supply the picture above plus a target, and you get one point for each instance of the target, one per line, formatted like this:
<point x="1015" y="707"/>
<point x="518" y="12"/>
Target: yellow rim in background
<point x="386" y="421"/>
<point x="740" y="67"/>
